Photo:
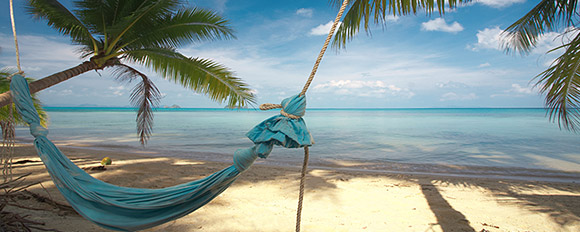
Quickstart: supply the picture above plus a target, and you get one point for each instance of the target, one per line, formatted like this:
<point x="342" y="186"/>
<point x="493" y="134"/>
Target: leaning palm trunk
<point x="38" y="85"/>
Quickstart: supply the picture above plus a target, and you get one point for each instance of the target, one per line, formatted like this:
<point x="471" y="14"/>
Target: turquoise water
<point x="492" y="138"/>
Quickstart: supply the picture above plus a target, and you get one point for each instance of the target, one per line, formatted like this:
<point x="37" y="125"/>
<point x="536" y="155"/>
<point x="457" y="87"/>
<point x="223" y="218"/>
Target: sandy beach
<point x="265" y="198"/>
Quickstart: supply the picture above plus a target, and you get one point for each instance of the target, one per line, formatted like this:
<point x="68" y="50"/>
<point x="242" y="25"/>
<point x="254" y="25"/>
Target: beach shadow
<point x="322" y="184"/>
<point x="563" y="209"/>
<point x="447" y="217"/>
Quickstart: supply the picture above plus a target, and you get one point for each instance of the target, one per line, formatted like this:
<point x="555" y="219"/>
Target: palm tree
<point x="115" y="33"/>
<point x="560" y="82"/>
<point x="362" y="12"/>
<point x="7" y="121"/>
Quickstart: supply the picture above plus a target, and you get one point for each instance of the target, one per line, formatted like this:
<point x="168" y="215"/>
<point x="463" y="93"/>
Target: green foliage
<point x="147" y="32"/>
<point x="561" y="81"/>
<point x="5" y="111"/>
<point x="362" y="12"/>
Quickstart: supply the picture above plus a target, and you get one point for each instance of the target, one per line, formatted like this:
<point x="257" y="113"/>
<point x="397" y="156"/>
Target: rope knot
<point x="269" y="106"/>
<point x="293" y="107"/>
<point x="20" y="72"/>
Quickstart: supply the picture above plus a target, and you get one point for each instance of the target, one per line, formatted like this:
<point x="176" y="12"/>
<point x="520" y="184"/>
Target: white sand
<point x="265" y="198"/>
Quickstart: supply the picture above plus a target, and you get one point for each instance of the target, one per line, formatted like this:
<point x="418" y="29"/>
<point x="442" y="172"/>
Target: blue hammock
<point x="130" y="209"/>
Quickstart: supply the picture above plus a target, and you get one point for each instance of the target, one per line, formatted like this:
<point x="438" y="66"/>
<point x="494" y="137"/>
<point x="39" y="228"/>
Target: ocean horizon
<point x="502" y="141"/>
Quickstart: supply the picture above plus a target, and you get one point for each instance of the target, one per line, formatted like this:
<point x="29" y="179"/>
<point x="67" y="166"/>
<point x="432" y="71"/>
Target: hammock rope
<point x="323" y="50"/>
<point x="15" y="38"/>
<point x="306" y="86"/>
<point x="8" y="129"/>
<point x="129" y="209"/>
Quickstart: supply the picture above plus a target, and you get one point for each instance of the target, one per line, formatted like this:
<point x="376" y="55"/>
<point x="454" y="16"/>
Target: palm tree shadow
<point x="563" y="209"/>
<point x="448" y="218"/>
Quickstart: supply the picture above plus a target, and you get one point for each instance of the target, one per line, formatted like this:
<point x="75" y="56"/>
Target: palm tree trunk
<point x="35" y="86"/>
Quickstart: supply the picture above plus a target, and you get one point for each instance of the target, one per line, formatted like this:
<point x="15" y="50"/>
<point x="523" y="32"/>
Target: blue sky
<point x="414" y="61"/>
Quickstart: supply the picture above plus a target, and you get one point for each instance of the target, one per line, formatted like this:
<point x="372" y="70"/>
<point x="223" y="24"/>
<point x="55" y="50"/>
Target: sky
<point x="414" y="61"/>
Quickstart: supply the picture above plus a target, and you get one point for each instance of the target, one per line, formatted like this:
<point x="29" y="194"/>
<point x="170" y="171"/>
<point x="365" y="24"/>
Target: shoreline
<point x="378" y="167"/>
<point x="335" y="199"/>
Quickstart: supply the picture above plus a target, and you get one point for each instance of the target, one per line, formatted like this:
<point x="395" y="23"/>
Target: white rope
<point x="8" y="126"/>
<point x="15" y="37"/>
<point x="323" y="50"/>
<point x="308" y="82"/>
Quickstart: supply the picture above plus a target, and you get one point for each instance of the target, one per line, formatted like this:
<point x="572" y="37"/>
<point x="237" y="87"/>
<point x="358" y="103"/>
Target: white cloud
<point x="305" y="12"/>
<point x="393" y="18"/>
<point x="519" y="89"/>
<point x="117" y="90"/>
<point x="220" y="5"/>
<point x="516" y="90"/>
<point x="451" y="85"/>
<point x="358" y="88"/>
<point x="486" y="64"/>
<point x="451" y="96"/>
<point x="549" y="41"/>
<point x="39" y="55"/>
<point x="499" y="3"/>
<point x="64" y="92"/>
<point x="439" y="24"/>
<point x="489" y="38"/>
<point x="322" y="29"/>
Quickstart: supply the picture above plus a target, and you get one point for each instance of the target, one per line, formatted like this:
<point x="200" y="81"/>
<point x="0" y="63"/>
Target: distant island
<point x="172" y="107"/>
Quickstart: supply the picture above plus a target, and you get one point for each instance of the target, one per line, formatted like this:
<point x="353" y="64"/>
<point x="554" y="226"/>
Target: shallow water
<point x="428" y="139"/>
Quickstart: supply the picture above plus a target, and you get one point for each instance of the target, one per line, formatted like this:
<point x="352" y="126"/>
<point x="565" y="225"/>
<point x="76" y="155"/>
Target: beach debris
<point x="10" y="221"/>
<point x="106" y="161"/>
<point x="26" y="161"/>
<point x="62" y="208"/>
<point x="490" y="225"/>
<point x="95" y="168"/>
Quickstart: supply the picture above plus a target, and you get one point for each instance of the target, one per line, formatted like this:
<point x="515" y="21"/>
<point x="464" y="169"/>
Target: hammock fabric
<point x="129" y="209"/>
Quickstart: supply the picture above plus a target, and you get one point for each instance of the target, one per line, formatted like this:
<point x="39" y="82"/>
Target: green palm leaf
<point x="183" y="27"/>
<point x="5" y="110"/>
<point x="61" y="19"/>
<point x="145" y="96"/>
<point x="362" y="12"/>
<point x="142" y="18"/>
<point x="548" y="15"/>
<point x="561" y="84"/>
<point x="201" y="75"/>
<point x="145" y="32"/>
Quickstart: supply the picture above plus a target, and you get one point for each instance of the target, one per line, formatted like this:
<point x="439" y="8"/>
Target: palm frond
<point x="61" y="19"/>
<point x="561" y="85"/>
<point x="358" y="14"/>
<point x="548" y="15"/>
<point x="144" y="96"/>
<point x="183" y="27"/>
<point x="5" y="110"/>
<point x="141" y="17"/>
<point x="201" y="75"/>
<point x="361" y="12"/>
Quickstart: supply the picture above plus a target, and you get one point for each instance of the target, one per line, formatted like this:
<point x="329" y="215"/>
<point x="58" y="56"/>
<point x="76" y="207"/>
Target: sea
<point x="519" y="143"/>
